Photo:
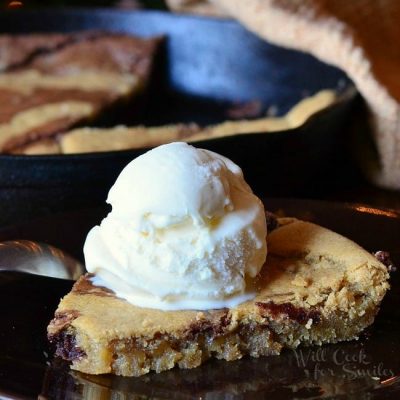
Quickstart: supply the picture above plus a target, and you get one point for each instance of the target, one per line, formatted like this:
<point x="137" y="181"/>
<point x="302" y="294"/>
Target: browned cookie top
<point x="50" y="87"/>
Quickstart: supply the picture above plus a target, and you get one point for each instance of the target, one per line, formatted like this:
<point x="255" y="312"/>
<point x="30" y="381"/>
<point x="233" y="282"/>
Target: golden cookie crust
<point x="316" y="287"/>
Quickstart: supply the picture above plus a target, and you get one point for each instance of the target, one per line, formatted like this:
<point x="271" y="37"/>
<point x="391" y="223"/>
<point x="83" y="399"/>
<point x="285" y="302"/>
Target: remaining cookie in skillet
<point x="316" y="287"/>
<point x="17" y="50"/>
<point x="87" y="140"/>
<point x="68" y="81"/>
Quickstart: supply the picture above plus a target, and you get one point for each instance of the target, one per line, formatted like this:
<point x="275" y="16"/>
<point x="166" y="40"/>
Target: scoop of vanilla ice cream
<point x="185" y="232"/>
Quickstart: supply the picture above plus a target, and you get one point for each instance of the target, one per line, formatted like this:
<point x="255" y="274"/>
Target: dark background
<point x="151" y="4"/>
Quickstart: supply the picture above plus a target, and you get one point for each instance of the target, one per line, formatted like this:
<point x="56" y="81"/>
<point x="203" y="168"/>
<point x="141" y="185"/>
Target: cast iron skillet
<point x="206" y="66"/>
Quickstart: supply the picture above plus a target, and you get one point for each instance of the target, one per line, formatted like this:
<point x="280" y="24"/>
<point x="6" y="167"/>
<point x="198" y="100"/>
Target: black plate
<point x="205" y="67"/>
<point x="364" y="369"/>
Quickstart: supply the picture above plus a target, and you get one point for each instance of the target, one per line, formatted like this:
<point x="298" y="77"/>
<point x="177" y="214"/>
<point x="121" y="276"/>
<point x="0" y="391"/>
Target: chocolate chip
<point x="66" y="347"/>
<point x="272" y="221"/>
<point x="384" y="258"/>
<point x="298" y="314"/>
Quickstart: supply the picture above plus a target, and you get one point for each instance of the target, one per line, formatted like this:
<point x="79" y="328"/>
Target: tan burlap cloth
<point x="362" y="37"/>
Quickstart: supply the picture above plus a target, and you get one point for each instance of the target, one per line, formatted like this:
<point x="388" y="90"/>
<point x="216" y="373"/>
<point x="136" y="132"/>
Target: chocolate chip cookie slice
<point x="316" y="287"/>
